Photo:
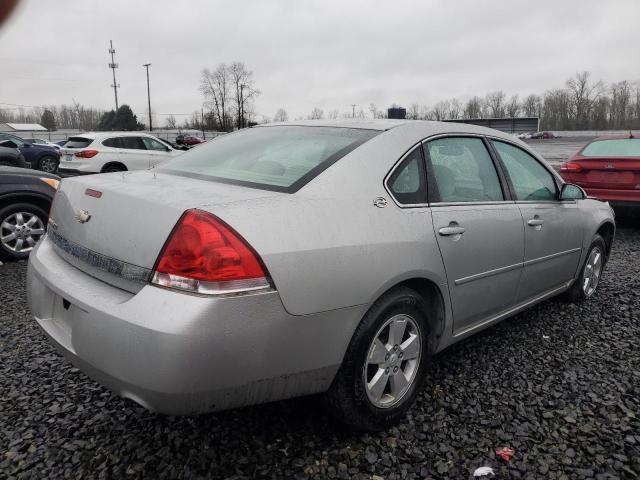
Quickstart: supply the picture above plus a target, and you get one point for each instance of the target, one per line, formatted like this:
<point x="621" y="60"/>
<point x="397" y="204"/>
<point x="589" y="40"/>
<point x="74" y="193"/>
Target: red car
<point x="188" y="140"/>
<point x="608" y="168"/>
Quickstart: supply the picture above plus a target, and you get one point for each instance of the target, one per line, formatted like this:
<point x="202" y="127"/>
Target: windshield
<point x="274" y="158"/>
<point x="624" y="147"/>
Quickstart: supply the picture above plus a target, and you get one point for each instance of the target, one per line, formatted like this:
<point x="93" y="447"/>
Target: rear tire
<point x="113" y="168"/>
<point x="48" y="164"/>
<point x="21" y="226"/>
<point x="383" y="370"/>
<point x="586" y="284"/>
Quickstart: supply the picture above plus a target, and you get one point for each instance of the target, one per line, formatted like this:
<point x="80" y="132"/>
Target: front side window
<point x="132" y="143"/>
<point x="462" y="171"/>
<point x="530" y="180"/>
<point x="152" y="144"/>
<point x="408" y="182"/>
<point x="623" y="147"/>
<point x="281" y="158"/>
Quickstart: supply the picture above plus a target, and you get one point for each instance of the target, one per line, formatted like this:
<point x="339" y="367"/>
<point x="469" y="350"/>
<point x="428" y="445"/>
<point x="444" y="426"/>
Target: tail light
<point x="205" y="255"/>
<point x="86" y="153"/>
<point x="570" y="168"/>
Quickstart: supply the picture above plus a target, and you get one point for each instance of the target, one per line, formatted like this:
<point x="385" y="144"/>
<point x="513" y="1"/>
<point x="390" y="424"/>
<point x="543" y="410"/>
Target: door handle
<point x="452" y="229"/>
<point x="535" y="222"/>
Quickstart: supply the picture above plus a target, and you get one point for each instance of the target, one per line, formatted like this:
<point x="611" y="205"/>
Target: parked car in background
<point x="113" y="152"/>
<point x="308" y="257"/>
<point x="42" y="141"/>
<point x="524" y="136"/>
<point x="25" y="201"/>
<point x="11" y="157"/>
<point x="61" y="143"/>
<point x="40" y="157"/>
<point x="608" y="168"/>
<point x="188" y="140"/>
<point x="543" y="135"/>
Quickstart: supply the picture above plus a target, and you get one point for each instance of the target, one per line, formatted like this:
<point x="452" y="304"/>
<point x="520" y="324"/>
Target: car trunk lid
<point x="609" y="173"/>
<point x="114" y="226"/>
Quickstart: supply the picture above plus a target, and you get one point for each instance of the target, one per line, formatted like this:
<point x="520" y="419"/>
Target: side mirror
<point x="572" y="192"/>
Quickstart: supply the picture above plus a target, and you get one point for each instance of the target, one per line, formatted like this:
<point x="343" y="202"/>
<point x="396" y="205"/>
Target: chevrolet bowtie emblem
<point x="83" y="216"/>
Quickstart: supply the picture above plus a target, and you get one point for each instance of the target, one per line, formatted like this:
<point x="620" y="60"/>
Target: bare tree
<point x="512" y="108"/>
<point x="440" y="110"/>
<point x="621" y="107"/>
<point x="455" y="108"/>
<point x="532" y="106"/>
<point x="374" y="111"/>
<point x="414" y="112"/>
<point x="244" y="90"/>
<point x="473" y="108"/>
<point x="316" y="114"/>
<point x="281" y="115"/>
<point x="333" y="114"/>
<point x="171" y="122"/>
<point x="214" y="85"/>
<point x="495" y="103"/>
<point x="583" y="94"/>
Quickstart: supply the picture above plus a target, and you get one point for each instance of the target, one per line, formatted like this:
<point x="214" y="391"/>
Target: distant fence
<point x="168" y="135"/>
<point x="507" y="125"/>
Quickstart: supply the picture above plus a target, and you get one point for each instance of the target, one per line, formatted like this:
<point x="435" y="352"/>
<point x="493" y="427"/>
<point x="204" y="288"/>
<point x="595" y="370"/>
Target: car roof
<point x="97" y="135"/>
<point x="424" y="128"/>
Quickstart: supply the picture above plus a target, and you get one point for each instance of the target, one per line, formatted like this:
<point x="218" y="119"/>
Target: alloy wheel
<point x="48" y="165"/>
<point x="592" y="271"/>
<point x="392" y="361"/>
<point x="20" y="231"/>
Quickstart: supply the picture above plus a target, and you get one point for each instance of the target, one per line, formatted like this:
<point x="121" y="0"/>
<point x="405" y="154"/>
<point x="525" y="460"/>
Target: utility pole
<point x="113" y="65"/>
<point x="353" y="111"/>
<point x="204" y="137"/>
<point x="241" y="112"/>
<point x="147" y="65"/>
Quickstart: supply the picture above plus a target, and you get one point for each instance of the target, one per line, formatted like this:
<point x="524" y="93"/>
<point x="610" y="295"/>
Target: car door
<point x="134" y="155"/>
<point x="553" y="229"/>
<point x="479" y="230"/>
<point x="156" y="151"/>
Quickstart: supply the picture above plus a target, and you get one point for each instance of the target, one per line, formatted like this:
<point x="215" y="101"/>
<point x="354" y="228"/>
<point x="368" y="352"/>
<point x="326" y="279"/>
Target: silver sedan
<point x="293" y="259"/>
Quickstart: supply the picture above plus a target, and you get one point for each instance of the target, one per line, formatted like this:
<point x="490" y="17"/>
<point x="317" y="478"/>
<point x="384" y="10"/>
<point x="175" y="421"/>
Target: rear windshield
<point x="273" y="158"/>
<point x="624" y="147"/>
<point x="78" y="142"/>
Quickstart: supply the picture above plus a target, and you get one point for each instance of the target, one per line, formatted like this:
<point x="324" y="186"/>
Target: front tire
<point x="587" y="283"/>
<point x="21" y="226"/>
<point x="383" y="369"/>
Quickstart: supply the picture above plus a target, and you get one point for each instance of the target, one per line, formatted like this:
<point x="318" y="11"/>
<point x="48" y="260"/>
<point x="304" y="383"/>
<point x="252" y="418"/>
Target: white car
<point x="113" y="152"/>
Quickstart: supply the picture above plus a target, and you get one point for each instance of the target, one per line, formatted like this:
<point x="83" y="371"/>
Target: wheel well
<point x="114" y="164"/>
<point x="432" y="296"/>
<point x="606" y="231"/>
<point x="43" y="203"/>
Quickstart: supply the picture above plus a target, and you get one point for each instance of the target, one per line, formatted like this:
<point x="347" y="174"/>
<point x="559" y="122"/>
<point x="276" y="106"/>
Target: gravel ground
<point x="560" y="384"/>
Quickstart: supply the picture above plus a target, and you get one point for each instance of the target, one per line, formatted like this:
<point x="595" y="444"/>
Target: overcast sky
<point x="306" y="54"/>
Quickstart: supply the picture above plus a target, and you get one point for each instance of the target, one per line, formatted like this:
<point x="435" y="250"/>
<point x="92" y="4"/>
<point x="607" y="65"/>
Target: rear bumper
<point x="177" y="353"/>
<point x="614" y="195"/>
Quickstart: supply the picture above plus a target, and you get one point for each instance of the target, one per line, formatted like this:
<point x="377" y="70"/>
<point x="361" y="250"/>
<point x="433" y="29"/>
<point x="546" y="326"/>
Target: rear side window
<point x="408" y="182"/>
<point x="132" y="143"/>
<point x="462" y="171"/>
<point x="624" y="147"/>
<point x="273" y="158"/>
<point x="112" y="142"/>
<point x="78" y="142"/>
<point x="530" y="180"/>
